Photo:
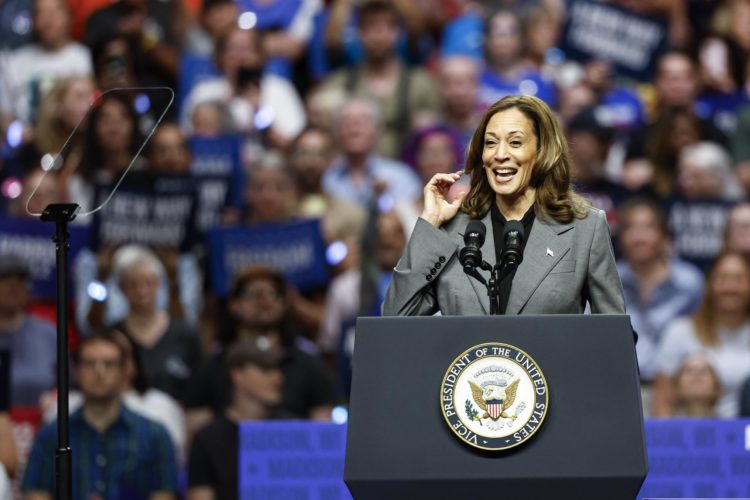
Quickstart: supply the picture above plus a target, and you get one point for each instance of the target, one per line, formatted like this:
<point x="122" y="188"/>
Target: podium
<point x="590" y="445"/>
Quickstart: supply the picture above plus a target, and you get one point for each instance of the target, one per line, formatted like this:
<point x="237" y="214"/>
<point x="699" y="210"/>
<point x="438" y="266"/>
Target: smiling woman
<point x="519" y="165"/>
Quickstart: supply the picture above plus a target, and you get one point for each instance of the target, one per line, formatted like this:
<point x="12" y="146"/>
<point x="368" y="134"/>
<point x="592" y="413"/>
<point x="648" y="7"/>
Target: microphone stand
<point x="493" y="285"/>
<point x="61" y="214"/>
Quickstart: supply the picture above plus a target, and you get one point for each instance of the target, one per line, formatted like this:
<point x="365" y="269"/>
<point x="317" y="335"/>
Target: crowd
<point x="267" y="159"/>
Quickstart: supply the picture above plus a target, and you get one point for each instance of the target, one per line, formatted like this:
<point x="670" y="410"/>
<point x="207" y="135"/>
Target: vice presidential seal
<point x="494" y="396"/>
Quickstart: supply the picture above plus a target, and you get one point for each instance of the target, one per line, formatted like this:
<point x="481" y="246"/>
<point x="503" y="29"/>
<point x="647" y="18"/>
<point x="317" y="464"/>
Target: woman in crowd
<point x="696" y="387"/>
<point x="167" y="347"/>
<point x="720" y="329"/>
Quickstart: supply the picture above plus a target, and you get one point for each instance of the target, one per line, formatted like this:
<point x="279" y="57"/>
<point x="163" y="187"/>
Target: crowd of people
<point x="335" y="112"/>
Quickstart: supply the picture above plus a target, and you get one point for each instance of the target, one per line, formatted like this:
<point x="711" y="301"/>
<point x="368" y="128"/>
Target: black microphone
<point x="513" y="235"/>
<point x="470" y="255"/>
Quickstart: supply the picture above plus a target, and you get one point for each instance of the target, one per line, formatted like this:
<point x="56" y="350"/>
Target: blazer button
<point x="433" y="271"/>
<point x="441" y="259"/>
<point x="438" y="265"/>
<point x="429" y="277"/>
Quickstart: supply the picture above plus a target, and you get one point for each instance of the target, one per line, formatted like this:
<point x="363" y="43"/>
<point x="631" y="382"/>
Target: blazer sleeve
<point x="413" y="287"/>
<point x="603" y="284"/>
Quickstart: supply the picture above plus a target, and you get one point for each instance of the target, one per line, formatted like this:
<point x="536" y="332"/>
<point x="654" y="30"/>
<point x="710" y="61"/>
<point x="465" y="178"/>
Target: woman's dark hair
<point x="550" y="174"/>
<point x="92" y="154"/>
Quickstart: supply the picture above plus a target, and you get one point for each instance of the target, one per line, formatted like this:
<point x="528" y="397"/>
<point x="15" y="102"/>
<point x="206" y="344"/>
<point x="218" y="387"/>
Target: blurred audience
<point x="651" y="157"/>
<point x="256" y="380"/>
<point x="659" y="287"/>
<point x="167" y="347"/>
<point x="259" y="101"/>
<point x="403" y="95"/>
<point x="138" y="395"/>
<point x="698" y="211"/>
<point x="720" y="329"/>
<point x="258" y="308"/>
<point x="696" y="388"/>
<point x="32" y="343"/>
<point x="359" y="173"/>
<point x="507" y="70"/>
<point x="120" y="454"/>
<point x="34" y="67"/>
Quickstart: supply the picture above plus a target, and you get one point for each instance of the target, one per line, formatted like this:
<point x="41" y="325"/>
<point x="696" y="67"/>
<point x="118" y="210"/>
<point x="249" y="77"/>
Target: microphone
<point x="512" y="254"/>
<point x="471" y="255"/>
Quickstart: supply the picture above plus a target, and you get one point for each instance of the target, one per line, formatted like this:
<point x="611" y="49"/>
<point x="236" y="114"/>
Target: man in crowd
<point x="359" y="172"/>
<point x="401" y="93"/>
<point x="30" y="341"/>
<point x="118" y="454"/>
<point x="256" y="380"/>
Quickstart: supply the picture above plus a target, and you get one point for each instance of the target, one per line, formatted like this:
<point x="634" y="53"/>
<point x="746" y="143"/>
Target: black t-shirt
<point x="172" y="361"/>
<point x="307" y="384"/>
<point x="214" y="457"/>
<point x="498" y="225"/>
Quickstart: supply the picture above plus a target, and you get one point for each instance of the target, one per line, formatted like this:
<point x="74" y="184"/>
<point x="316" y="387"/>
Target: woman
<point x="520" y="170"/>
<point x="167" y="347"/>
<point x="720" y="329"/>
<point x="697" y="388"/>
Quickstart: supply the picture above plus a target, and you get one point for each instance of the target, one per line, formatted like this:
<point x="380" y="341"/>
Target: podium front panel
<point x="590" y="445"/>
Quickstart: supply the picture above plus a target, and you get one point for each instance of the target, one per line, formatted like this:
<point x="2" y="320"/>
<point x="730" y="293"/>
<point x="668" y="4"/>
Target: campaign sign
<point x="148" y="209"/>
<point x="288" y="459"/>
<point x="296" y="249"/>
<point x="32" y="241"/>
<point x="697" y="458"/>
<point x="217" y="169"/>
<point x="697" y="228"/>
<point x="598" y="30"/>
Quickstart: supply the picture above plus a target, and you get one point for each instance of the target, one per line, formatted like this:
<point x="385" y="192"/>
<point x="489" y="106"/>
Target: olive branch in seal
<point x="472" y="413"/>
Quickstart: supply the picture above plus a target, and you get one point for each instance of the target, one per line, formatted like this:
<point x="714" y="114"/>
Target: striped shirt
<point x="130" y="460"/>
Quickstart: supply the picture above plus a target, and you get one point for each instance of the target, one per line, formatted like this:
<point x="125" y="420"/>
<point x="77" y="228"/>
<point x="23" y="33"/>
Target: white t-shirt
<point x="31" y="71"/>
<point x="280" y="104"/>
<point x="730" y="358"/>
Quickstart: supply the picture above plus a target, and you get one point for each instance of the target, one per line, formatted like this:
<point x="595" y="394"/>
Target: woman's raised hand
<point x="437" y="209"/>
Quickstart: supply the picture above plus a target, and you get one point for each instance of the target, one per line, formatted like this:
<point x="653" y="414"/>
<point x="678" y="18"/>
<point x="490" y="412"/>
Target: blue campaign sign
<point x="217" y="169"/>
<point x="292" y="459"/>
<point x="149" y="209"/>
<point x="697" y="458"/>
<point x="32" y="241"/>
<point x="599" y="30"/>
<point x="296" y="249"/>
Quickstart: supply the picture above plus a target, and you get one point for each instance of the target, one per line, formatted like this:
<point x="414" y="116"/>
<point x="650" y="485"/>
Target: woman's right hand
<point x="437" y="209"/>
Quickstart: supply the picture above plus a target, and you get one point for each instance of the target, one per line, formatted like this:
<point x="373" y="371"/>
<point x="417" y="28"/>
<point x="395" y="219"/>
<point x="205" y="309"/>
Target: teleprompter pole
<point x="61" y="214"/>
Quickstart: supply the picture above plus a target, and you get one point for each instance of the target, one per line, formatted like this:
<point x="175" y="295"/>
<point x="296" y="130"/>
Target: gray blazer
<point x="564" y="266"/>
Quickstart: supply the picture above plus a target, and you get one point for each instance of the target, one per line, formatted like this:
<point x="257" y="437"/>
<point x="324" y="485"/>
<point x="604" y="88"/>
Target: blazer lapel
<point x="488" y="255"/>
<point x="544" y="248"/>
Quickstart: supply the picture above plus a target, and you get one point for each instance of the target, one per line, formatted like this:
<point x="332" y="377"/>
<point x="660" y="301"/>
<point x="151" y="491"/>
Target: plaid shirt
<point x="131" y="459"/>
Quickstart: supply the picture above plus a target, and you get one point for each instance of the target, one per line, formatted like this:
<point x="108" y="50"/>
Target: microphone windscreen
<point x="514" y="225"/>
<point x="476" y="226"/>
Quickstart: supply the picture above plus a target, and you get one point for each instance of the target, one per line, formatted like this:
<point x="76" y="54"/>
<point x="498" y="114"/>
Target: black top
<point x="307" y="384"/>
<point x="498" y="225"/>
<point x="169" y="364"/>
<point x="214" y="456"/>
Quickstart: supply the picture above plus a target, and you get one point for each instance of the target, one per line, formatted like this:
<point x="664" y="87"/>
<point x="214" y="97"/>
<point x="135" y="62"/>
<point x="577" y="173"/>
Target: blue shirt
<point x="678" y="295"/>
<point x="493" y="87"/>
<point x="130" y="460"/>
<point x="402" y="182"/>
<point x="33" y="358"/>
